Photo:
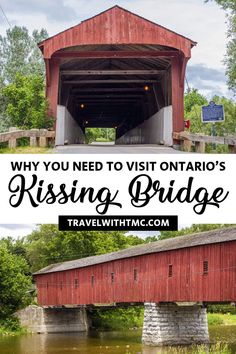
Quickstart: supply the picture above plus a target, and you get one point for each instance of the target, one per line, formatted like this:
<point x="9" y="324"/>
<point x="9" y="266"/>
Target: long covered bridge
<point x="175" y="279"/>
<point x="117" y="70"/>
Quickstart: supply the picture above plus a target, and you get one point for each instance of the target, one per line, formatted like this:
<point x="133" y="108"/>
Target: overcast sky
<point x="15" y="230"/>
<point x="200" y="21"/>
<point x="18" y="230"/>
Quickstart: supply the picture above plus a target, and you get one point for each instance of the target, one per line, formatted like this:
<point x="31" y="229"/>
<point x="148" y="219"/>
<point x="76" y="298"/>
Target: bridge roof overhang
<point x="171" y="244"/>
<point x="116" y="26"/>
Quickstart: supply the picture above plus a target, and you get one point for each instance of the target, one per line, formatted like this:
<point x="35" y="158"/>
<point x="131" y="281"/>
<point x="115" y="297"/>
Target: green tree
<point x="193" y="98"/>
<point x="36" y="63"/>
<point x="149" y="239"/>
<point x="91" y="134"/>
<point x="230" y="58"/>
<point x="14" y="282"/>
<point x="193" y="103"/>
<point x="4" y="121"/>
<point x="20" y="57"/>
<point x="48" y="245"/>
<point x="19" y="53"/>
<point x="15" y="246"/>
<point x="107" y="133"/>
<point x="195" y="228"/>
<point x="229" y="125"/>
<point x="103" y="134"/>
<point x="26" y="106"/>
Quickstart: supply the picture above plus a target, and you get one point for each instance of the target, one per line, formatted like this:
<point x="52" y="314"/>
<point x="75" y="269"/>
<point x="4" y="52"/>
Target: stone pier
<point x="53" y="320"/>
<point x="172" y="324"/>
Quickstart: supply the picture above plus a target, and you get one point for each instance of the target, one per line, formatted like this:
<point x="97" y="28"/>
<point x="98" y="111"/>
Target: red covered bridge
<point x="174" y="278"/>
<point x="194" y="268"/>
<point x="117" y="70"/>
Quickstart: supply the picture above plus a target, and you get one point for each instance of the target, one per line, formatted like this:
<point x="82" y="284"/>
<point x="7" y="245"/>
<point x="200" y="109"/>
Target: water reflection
<point x="100" y="343"/>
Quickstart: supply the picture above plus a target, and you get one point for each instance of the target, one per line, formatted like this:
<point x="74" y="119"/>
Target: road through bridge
<point x="106" y="148"/>
<point x="175" y="279"/>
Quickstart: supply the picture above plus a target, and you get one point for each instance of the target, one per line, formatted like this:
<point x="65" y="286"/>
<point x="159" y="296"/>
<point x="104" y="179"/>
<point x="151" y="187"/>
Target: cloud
<point x="16" y="226"/>
<point x="143" y="234"/>
<point x="207" y="80"/>
<point x="16" y="230"/>
<point x="205" y="73"/>
<point x="21" y="230"/>
<point x="54" y="10"/>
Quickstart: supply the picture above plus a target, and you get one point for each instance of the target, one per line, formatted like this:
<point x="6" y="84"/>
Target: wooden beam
<point x="87" y="100"/>
<point x="111" y="72"/>
<point x="111" y="102"/>
<point x="115" y="89"/>
<point x="48" y="76"/>
<point x="199" y="138"/>
<point x="52" y="89"/>
<point x="107" y="97"/>
<point x="82" y="82"/>
<point x="183" y="71"/>
<point x="117" y="54"/>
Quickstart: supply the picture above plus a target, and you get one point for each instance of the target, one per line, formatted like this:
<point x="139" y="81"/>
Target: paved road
<point x="115" y="149"/>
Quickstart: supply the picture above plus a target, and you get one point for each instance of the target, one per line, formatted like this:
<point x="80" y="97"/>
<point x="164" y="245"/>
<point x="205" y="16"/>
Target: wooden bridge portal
<point x="117" y="70"/>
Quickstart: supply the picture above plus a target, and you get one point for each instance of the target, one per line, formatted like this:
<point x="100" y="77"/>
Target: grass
<point x="118" y="318"/>
<point x="26" y="150"/>
<point x="102" y="140"/>
<point x="218" y="348"/>
<point x="10" y="326"/>
<point x="8" y="332"/>
<point x="215" y="319"/>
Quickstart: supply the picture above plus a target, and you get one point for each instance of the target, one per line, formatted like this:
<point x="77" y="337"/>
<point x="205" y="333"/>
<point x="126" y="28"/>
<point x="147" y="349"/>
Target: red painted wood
<point x="116" y="26"/>
<point x="116" y="54"/>
<point x="52" y="86"/>
<point x="188" y="282"/>
<point x="177" y="69"/>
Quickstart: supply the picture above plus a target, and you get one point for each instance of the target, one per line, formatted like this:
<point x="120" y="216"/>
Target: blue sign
<point x="213" y="113"/>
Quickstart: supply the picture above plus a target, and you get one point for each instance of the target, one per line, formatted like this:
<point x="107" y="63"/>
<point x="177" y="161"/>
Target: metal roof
<point x="197" y="239"/>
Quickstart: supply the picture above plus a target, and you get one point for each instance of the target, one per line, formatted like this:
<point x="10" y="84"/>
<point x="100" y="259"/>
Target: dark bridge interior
<point x="114" y="86"/>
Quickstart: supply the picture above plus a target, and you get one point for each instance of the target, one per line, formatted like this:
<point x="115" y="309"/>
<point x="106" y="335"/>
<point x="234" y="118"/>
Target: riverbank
<point x="221" y="319"/>
<point x="11" y="327"/>
<point x="122" y="319"/>
<point x="117" y="320"/>
<point x="115" y="342"/>
<point x="7" y="331"/>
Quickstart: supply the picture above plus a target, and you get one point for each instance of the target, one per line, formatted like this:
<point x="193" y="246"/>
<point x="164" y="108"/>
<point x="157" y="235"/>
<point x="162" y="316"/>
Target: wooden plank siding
<point x="115" y="26"/>
<point x="152" y="282"/>
<point x="117" y="34"/>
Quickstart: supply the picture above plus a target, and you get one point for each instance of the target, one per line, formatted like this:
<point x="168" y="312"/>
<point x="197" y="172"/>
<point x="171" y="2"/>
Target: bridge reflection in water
<point x="102" y="342"/>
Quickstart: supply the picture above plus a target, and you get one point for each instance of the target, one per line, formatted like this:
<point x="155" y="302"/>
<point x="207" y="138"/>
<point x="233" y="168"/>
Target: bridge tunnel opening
<point x="129" y="93"/>
<point x="100" y="135"/>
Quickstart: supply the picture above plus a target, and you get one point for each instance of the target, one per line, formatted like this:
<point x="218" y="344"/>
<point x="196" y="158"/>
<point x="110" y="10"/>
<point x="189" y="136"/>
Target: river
<point x="128" y="342"/>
